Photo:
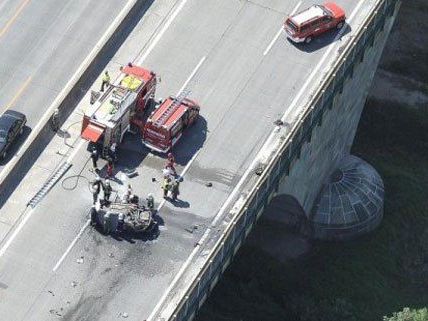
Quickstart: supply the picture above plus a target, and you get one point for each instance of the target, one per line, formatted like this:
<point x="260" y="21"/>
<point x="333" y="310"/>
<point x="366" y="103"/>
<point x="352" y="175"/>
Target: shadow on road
<point x="16" y="145"/>
<point x="322" y="40"/>
<point x="73" y="98"/>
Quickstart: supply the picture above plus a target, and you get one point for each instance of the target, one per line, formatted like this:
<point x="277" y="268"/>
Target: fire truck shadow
<point x="322" y="40"/>
<point x="192" y="141"/>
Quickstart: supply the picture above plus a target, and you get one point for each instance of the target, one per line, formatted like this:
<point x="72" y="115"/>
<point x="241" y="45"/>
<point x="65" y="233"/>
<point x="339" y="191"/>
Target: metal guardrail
<point x="235" y="233"/>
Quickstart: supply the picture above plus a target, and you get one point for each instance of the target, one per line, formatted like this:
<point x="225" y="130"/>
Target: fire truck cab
<point x="112" y="113"/>
<point x="166" y="124"/>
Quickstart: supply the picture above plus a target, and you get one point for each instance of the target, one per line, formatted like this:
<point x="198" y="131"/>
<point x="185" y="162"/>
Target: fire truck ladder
<point x="172" y="108"/>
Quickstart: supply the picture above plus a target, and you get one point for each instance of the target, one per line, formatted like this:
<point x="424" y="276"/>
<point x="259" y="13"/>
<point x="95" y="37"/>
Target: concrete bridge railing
<point x="279" y="166"/>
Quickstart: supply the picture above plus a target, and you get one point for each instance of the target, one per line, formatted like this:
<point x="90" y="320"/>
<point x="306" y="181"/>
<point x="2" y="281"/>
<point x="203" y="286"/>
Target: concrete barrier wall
<point x="335" y="126"/>
<point x="358" y="56"/>
<point x="67" y="100"/>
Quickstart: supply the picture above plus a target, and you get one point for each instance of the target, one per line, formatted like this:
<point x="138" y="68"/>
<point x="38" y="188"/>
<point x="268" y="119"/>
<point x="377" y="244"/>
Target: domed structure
<point x="351" y="203"/>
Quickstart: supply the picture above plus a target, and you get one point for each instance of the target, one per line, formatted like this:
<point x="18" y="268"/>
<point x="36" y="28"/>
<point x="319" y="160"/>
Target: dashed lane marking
<point x="219" y="215"/>
<point x="280" y="31"/>
<point x="19" y="93"/>
<point x="12" y="20"/>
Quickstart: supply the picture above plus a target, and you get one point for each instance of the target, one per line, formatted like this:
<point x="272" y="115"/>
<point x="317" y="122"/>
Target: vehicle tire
<point x="308" y="39"/>
<point x="3" y="156"/>
<point x="21" y="131"/>
<point x="340" y="25"/>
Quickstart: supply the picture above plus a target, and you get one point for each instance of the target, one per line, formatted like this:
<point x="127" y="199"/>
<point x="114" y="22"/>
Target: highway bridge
<point x="246" y="76"/>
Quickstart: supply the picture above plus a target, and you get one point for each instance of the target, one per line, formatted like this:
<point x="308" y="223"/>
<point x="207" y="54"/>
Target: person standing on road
<point x="175" y="191"/>
<point x="110" y="167"/>
<point x="127" y="196"/>
<point x="166" y="185"/>
<point x="95" y="188"/>
<point x="170" y="164"/>
<point x="105" y="81"/>
<point x="150" y="202"/>
<point x="107" y="191"/>
<point x="112" y="152"/>
<point x="94" y="157"/>
<point x="55" y="120"/>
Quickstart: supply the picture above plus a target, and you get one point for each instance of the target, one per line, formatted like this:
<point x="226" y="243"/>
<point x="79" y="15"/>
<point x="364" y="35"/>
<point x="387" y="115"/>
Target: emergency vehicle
<point x="122" y="104"/>
<point x="313" y="21"/>
<point x="166" y="124"/>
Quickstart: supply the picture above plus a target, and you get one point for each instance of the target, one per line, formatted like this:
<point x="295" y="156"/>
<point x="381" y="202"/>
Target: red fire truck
<point x="124" y="104"/>
<point x="166" y="124"/>
<point x="111" y="115"/>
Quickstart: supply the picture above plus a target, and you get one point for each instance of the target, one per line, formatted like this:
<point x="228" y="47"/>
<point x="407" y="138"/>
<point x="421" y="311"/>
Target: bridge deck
<point x="242" y="91"/>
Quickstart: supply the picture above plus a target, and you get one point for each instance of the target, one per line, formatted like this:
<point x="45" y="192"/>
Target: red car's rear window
<point x="291" y="25"/>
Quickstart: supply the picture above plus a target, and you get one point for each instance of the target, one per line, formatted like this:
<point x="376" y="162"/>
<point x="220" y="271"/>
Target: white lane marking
<point x="71" y="245"/>
<point x="15" y="232"/>
<point x="185" y="169"/>
<point x="243" y="178"/>
<point x="161" y="32"/>
<point x="75" y="151"/>
<point x="289" y="109"/>
<point x="321" y="62"/>
<point x="268" y="48"/>
<point x="192" y="74"/>
<point x="70" y="83"/>
<point x="50" y="110"/>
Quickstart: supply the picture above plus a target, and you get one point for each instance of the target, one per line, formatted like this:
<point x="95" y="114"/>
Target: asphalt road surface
<point x="42" y="43"/>
<point x="58" y="269"/>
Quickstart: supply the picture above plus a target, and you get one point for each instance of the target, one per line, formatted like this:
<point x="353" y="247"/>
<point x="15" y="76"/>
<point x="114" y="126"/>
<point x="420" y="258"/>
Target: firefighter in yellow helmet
<point x="105" y="80"/>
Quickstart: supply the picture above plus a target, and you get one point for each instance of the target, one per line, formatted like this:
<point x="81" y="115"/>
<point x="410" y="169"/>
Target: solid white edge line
<point x="76" y="150"/>
<point x="57" y="265"/>
<point x="69" y="84"/>
<point x="15" y="232"/>
<point x="161" y="32"/>
<point x="268" y="48"/>
<point x="231" y="196"/>
<point x="49" y="111"/>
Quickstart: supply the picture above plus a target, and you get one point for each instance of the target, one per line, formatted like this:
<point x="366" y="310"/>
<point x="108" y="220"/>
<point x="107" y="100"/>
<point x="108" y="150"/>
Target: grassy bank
<point x="360" y="280"/>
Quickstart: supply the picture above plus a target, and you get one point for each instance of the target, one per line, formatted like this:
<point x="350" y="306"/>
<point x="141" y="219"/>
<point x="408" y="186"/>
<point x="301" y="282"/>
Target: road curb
<point x="72" y="93"/>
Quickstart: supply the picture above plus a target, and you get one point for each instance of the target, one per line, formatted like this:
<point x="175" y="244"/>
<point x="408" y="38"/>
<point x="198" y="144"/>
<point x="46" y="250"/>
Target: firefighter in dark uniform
<point x="94" y="157"/>
<point x="175" y="191"/>
<point x="150" y="202"/>
<point x="95" y="188"/>
<point x="107" y="189"/>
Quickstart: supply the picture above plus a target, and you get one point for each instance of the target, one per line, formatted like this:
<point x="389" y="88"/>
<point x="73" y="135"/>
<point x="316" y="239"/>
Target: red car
<point x="317" y="19"/>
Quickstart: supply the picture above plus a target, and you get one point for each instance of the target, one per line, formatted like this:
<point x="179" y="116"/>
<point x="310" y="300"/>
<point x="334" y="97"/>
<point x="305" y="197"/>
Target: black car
<point x="11" y="126"/>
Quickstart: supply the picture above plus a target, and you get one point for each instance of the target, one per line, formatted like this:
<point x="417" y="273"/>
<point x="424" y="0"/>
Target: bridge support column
<point x="334" y="132"/>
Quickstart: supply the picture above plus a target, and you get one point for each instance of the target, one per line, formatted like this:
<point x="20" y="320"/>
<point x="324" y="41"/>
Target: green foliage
<point x="361" y="280"/>
<point x="409" y="315"/>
